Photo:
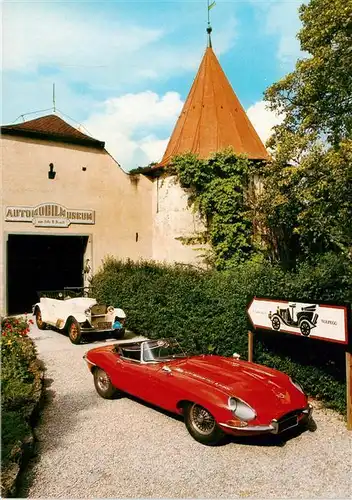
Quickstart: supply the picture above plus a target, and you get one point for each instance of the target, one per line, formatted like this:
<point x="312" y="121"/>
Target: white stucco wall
<point x="172" y="218"/>
<point x="124" y="205"/>
<point x="122" y="208"/>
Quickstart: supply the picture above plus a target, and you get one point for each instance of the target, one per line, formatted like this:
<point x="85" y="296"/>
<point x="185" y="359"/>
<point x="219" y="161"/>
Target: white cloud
<point x="131" y="126"/>
<point x="96" y="50"/>
<point x="39" y="34"/>
<point x="263" y="120"/>
<point x="154" y="147"/>
<point x="282" y="19"/>
<point x="105" y="51"/>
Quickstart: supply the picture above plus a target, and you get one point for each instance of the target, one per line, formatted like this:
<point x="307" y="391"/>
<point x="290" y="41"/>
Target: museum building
<point x="67" y="204"/>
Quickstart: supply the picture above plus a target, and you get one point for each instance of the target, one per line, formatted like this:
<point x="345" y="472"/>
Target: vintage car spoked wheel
<point x="305" y="328"/>
<point x="38" y="318"/>
<point x="74" y="331"/>
<point x="103" y="384"/>
<point x="201" y="425"/>
<point x="276" y="324"/>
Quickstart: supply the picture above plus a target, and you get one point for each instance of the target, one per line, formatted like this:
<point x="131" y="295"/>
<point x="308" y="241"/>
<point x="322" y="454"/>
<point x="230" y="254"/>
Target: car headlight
<point x="241" y="410"/>
<point x="111" y="309"/>
<point x="297" y="385"/>
<point x="87" y="312"/>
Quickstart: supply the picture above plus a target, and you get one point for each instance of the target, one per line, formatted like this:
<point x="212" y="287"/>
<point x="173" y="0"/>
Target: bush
<point x="19" y="369"/>
<point x="13" y="431"/>
<point x="206" y="312"/>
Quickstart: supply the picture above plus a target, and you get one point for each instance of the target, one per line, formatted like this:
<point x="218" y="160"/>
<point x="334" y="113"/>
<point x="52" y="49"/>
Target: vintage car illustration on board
<point x="216" y="395"/>
<point x="73" y="310"/>
<point x="304" y="320"/>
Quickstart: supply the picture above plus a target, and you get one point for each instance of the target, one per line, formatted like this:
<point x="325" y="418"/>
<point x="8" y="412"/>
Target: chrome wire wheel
<point x="103" y="381"/>
<point x="103" y="384"/>
<point x="202" y="421"/>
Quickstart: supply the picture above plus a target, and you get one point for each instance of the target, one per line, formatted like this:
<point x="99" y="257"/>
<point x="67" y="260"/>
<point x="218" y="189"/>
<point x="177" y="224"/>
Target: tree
<point x="306" y="206"/>
<point x="317" y="96"/>
<point x="218" y="191"/>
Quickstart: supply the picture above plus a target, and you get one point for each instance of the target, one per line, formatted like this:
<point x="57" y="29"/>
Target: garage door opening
<point x="39" y="262"/>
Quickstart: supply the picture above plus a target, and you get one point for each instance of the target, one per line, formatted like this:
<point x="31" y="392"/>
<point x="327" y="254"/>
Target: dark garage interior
<point x="41" y="262"/>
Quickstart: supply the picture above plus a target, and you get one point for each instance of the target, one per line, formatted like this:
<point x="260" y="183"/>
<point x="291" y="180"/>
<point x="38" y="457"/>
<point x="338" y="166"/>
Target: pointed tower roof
<point x="52" y="128"/>
<point x="212" y="118"/>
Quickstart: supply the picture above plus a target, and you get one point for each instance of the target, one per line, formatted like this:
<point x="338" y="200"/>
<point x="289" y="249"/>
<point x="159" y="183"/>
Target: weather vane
<point x="209" y="28"/>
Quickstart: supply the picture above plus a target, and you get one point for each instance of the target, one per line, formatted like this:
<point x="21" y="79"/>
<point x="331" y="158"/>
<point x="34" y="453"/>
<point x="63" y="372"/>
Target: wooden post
<point x="250" y="346"/>
<point x="349" y="389"/>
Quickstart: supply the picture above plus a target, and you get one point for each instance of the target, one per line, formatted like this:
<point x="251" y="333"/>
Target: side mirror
<point x="236" y="355"/>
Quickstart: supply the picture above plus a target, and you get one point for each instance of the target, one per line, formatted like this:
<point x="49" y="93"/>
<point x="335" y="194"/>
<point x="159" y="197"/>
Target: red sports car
<point x="216" y="395"/>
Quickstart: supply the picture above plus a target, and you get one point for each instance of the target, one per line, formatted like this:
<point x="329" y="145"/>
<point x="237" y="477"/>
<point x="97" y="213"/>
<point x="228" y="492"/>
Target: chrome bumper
<point x="101" y="330"/>
<point x="273" y="427"/>
<point x="252" y="428"/>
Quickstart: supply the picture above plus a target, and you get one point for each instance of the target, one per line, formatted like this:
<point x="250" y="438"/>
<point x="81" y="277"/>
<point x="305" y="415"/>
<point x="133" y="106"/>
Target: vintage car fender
<point x="74" y="308"/>
<point x="80" y="317"/>
<point x="43" y="310"/>
<point x="62" y="315"/>
<point x="208" y="395"/>
<point x="120" y="313"/>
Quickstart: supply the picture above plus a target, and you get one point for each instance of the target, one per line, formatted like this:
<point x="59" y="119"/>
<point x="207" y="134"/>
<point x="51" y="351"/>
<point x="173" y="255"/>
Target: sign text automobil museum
<point x="320" y="321"/>
<point x="49" y="215"/>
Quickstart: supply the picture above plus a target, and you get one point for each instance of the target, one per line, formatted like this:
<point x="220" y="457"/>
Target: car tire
<point x="305" y="328"/>
<point x="103" y="384"/>
<point x="202" y="426"/>
<point x="276" y="323"/>
<point x="74" y="331"/>
<point x="118" y="334"/>
<point x="38" y="319"/>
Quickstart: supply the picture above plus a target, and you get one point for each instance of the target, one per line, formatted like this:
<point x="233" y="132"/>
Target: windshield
<point x="162" y="350"/>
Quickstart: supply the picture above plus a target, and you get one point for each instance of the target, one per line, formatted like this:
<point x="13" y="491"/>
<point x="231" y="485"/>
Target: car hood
<point x="255" y="384"/>
<point x="81" y="302"/>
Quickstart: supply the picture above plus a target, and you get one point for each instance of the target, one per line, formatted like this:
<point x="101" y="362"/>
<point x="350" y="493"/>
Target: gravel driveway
<point x="95" y="448"/>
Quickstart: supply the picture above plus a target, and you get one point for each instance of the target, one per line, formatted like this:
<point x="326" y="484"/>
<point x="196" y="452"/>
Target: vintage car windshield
<point x="162" y="350"/>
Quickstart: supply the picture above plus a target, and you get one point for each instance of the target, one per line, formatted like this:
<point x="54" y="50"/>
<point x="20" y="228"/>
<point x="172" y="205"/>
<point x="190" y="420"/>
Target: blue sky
<point x="122" y="69"/>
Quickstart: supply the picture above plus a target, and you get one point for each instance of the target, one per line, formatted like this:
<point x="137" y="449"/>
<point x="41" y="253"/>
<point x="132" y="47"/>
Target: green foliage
<point x="306" y="207"/>
<point x="19" y="367"/>
<point x="206" y="312"/>
<point x="218" y="188"/>
<point x="317" y="95"/>
<point x="13" y="430"/>
<point x="141" y="170"/>
<point x="306" y="204"/>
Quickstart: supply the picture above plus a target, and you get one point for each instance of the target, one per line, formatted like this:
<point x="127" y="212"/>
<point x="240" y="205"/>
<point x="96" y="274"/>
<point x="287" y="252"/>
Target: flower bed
<point x="22" y="382"/>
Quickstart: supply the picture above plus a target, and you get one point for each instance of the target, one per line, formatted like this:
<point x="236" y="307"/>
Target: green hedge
<point x="19" y="371"/>
<point x="206" y="312"/>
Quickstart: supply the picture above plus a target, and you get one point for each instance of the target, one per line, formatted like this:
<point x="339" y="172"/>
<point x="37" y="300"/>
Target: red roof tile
<point x="52" y="127"/>
<point x="212" y="118"/>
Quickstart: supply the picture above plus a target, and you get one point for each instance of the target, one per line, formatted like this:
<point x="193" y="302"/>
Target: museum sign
<point x="49" y="215"/>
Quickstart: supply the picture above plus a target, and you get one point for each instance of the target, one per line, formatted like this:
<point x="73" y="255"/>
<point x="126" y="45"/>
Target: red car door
<point x="163" y="386"/>
<point x="130" y="377"/>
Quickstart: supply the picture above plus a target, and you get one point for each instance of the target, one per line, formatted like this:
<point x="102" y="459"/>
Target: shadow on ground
<point x="61" y="414"/>
<point x="267" y="440"/>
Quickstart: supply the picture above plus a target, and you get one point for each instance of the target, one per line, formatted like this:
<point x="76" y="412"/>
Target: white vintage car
<point x="78" y="315"/>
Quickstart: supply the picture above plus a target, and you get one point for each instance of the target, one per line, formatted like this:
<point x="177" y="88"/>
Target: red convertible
<point x="216" y="395"/>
